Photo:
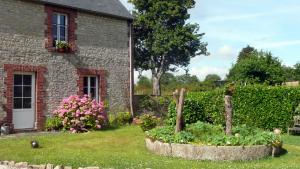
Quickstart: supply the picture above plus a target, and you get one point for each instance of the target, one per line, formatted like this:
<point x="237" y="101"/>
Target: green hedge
<point x="192" y="112"/>
<point x="256" y="105"/>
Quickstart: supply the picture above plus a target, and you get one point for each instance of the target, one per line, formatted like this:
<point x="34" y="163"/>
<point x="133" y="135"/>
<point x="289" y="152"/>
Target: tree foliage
<point x="144" y="81"/>
<point x="258" y="67"/>
<point x="212" y="77"/>
<point x="297" y="71"/>
<point x="163" y="38"/>
<point x="246" y="52"/>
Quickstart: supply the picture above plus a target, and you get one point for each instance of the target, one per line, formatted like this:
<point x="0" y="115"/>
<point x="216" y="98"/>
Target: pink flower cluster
<point x="79" y="114"/>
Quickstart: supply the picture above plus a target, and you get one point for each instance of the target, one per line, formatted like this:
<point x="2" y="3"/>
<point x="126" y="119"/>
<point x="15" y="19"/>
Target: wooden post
<point x="179" y="108"/>
<point x="175" y="98"/>
<point x="228" y="114"/>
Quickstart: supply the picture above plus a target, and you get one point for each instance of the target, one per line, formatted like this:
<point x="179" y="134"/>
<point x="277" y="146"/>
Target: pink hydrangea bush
<point x="80" y="114"/>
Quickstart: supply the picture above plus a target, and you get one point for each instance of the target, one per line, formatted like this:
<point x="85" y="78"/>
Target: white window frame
<point x="89" y="86"/>
<point x="32" y="91"/>
<point x="58" y="26"/>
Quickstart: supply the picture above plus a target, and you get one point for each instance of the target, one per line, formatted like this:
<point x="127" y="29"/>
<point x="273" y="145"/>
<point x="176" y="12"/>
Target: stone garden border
<point x="214" y="153"/>
<point x="25" y="165"/>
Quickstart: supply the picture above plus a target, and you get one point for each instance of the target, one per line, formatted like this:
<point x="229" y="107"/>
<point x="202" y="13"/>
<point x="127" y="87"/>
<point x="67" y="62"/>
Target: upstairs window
<point x="59" y="28"/>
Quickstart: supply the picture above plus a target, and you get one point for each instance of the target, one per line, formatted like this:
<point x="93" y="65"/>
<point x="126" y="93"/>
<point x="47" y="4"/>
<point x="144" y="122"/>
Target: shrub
<point x="120" y="119"/>
<point x="79" y="114"/>
<point x="148" y="122"/>
<point x="264" y="106"/>
<point x="192" y="112"/>
<point x="297" y="110"/>
<point x="260" y="106"/>
<point x="154" y="105"/>
<point x="53" y="123"/>
<point x="212" y="103"/>
<point x="204" y="130"/>
<point x="167" y="134"/>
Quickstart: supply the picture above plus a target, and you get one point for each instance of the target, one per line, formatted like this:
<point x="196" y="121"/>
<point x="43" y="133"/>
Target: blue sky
<point x="230" y="25"/>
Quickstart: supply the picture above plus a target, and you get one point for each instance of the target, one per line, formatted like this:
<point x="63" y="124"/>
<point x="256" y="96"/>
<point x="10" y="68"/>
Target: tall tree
<point x="261" y="67"/>
<point x="246" y="52"/>
<point x="212" y="77"/>
<point x="163" y="38"/>
<point x="297" y="71"/>
<point x="144" y="81"/>
<point x="289" y="73"/>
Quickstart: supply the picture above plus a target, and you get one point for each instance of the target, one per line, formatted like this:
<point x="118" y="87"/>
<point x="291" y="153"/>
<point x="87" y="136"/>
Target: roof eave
<point x="85" y="10"/>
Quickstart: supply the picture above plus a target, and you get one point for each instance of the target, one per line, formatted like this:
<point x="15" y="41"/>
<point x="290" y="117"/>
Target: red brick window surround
<point x="40" y="91"/>
<point x="71" y="22"/>
<point x="101" y="76"/>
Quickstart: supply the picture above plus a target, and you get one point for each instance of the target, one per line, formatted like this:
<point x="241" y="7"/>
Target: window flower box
<point x="62" y="47"/>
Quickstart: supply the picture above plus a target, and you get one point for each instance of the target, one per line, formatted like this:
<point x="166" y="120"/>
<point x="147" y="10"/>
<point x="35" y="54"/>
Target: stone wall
<point x="102" y="44"/>
<point x="25" y="165"/>
<point x="214" y="153"/>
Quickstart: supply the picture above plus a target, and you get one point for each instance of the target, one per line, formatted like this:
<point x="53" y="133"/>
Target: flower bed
<point x="204" y="141"/>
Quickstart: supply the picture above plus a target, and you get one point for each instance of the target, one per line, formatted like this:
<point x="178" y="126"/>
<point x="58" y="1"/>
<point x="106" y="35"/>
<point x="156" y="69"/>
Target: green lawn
<point x="124" y="148"/>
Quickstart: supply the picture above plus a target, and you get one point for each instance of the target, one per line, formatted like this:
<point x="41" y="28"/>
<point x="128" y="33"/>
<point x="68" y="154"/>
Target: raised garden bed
<point x="215" y="153"/>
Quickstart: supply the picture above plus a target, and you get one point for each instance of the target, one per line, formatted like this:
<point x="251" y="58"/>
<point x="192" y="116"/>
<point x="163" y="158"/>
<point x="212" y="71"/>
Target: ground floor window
<point x="90" y="86"/>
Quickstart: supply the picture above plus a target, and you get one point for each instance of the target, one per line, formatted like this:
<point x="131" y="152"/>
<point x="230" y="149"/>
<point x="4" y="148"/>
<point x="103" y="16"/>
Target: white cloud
<point x="278" y="44"/>
<point x="226" y="52"/>
<point x="224" y="18"/>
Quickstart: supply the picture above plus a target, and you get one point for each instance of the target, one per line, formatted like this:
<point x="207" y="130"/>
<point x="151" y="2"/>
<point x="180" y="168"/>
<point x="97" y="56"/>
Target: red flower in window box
<point x="62" y="47"/>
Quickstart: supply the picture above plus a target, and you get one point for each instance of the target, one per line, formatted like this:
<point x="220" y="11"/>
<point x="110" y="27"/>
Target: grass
<point x="124" y="148"/>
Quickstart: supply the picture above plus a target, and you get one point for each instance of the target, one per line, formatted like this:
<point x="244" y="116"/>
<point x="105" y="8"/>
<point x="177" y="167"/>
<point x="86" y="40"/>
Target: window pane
<point x="27" y="103"/>
<point x="17" y="91"/>
<point x="62" y="31"/>
<point x="27" y="91"/>
<point x="54" y="30"/>
<point x="93" y="81"/>
<point x="54" y="34"/>
<point x="62" y="20"/>
<point x="62" y="38"/>
<point x="93" y="93"/>
<point x="54" y="19"/>
<point x="85" y="82"/>
<point x="18" y="79"/>
<point x="27" y="80"/>
<point x="85" y="90"/>
<point x="18" y="103"/>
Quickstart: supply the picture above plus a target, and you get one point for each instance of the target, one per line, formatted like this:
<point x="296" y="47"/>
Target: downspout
<point x="131" y="92"/>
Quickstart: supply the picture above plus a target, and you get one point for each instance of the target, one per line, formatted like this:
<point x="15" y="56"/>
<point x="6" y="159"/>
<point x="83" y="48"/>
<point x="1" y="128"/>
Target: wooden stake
<point x="179" y="108"/>
<point x="228" y="114"/>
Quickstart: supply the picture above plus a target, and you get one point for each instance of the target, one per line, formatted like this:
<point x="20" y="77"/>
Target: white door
<point x="24" y="101"/>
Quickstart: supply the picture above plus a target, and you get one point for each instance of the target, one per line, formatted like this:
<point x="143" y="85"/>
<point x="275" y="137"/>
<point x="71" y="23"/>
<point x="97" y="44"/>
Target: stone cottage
<point x="51" y="49"/>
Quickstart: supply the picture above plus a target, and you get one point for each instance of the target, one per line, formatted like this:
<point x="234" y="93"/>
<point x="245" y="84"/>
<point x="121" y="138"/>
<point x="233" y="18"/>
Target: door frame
<point x="40" y="71"/>
<point x="33" y="98"/>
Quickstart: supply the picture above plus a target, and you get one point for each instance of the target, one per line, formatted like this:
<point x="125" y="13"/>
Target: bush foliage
<point x="53" y="124"/>
<point x="119" y="119"/>
<point x="79" y="114"/>
<point x="208" y="134"/>
<point x="148" y="122"/>
<point x="255" y="105"/>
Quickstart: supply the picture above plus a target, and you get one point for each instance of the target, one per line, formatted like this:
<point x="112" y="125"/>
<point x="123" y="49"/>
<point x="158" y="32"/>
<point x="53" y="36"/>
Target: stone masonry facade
<point x="99" y="47"/>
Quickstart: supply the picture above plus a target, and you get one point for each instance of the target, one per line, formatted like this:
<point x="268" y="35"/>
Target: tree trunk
<point x="179" y="119"/>
<point x="156" y="91"/>
<point x="228" y="114"/>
